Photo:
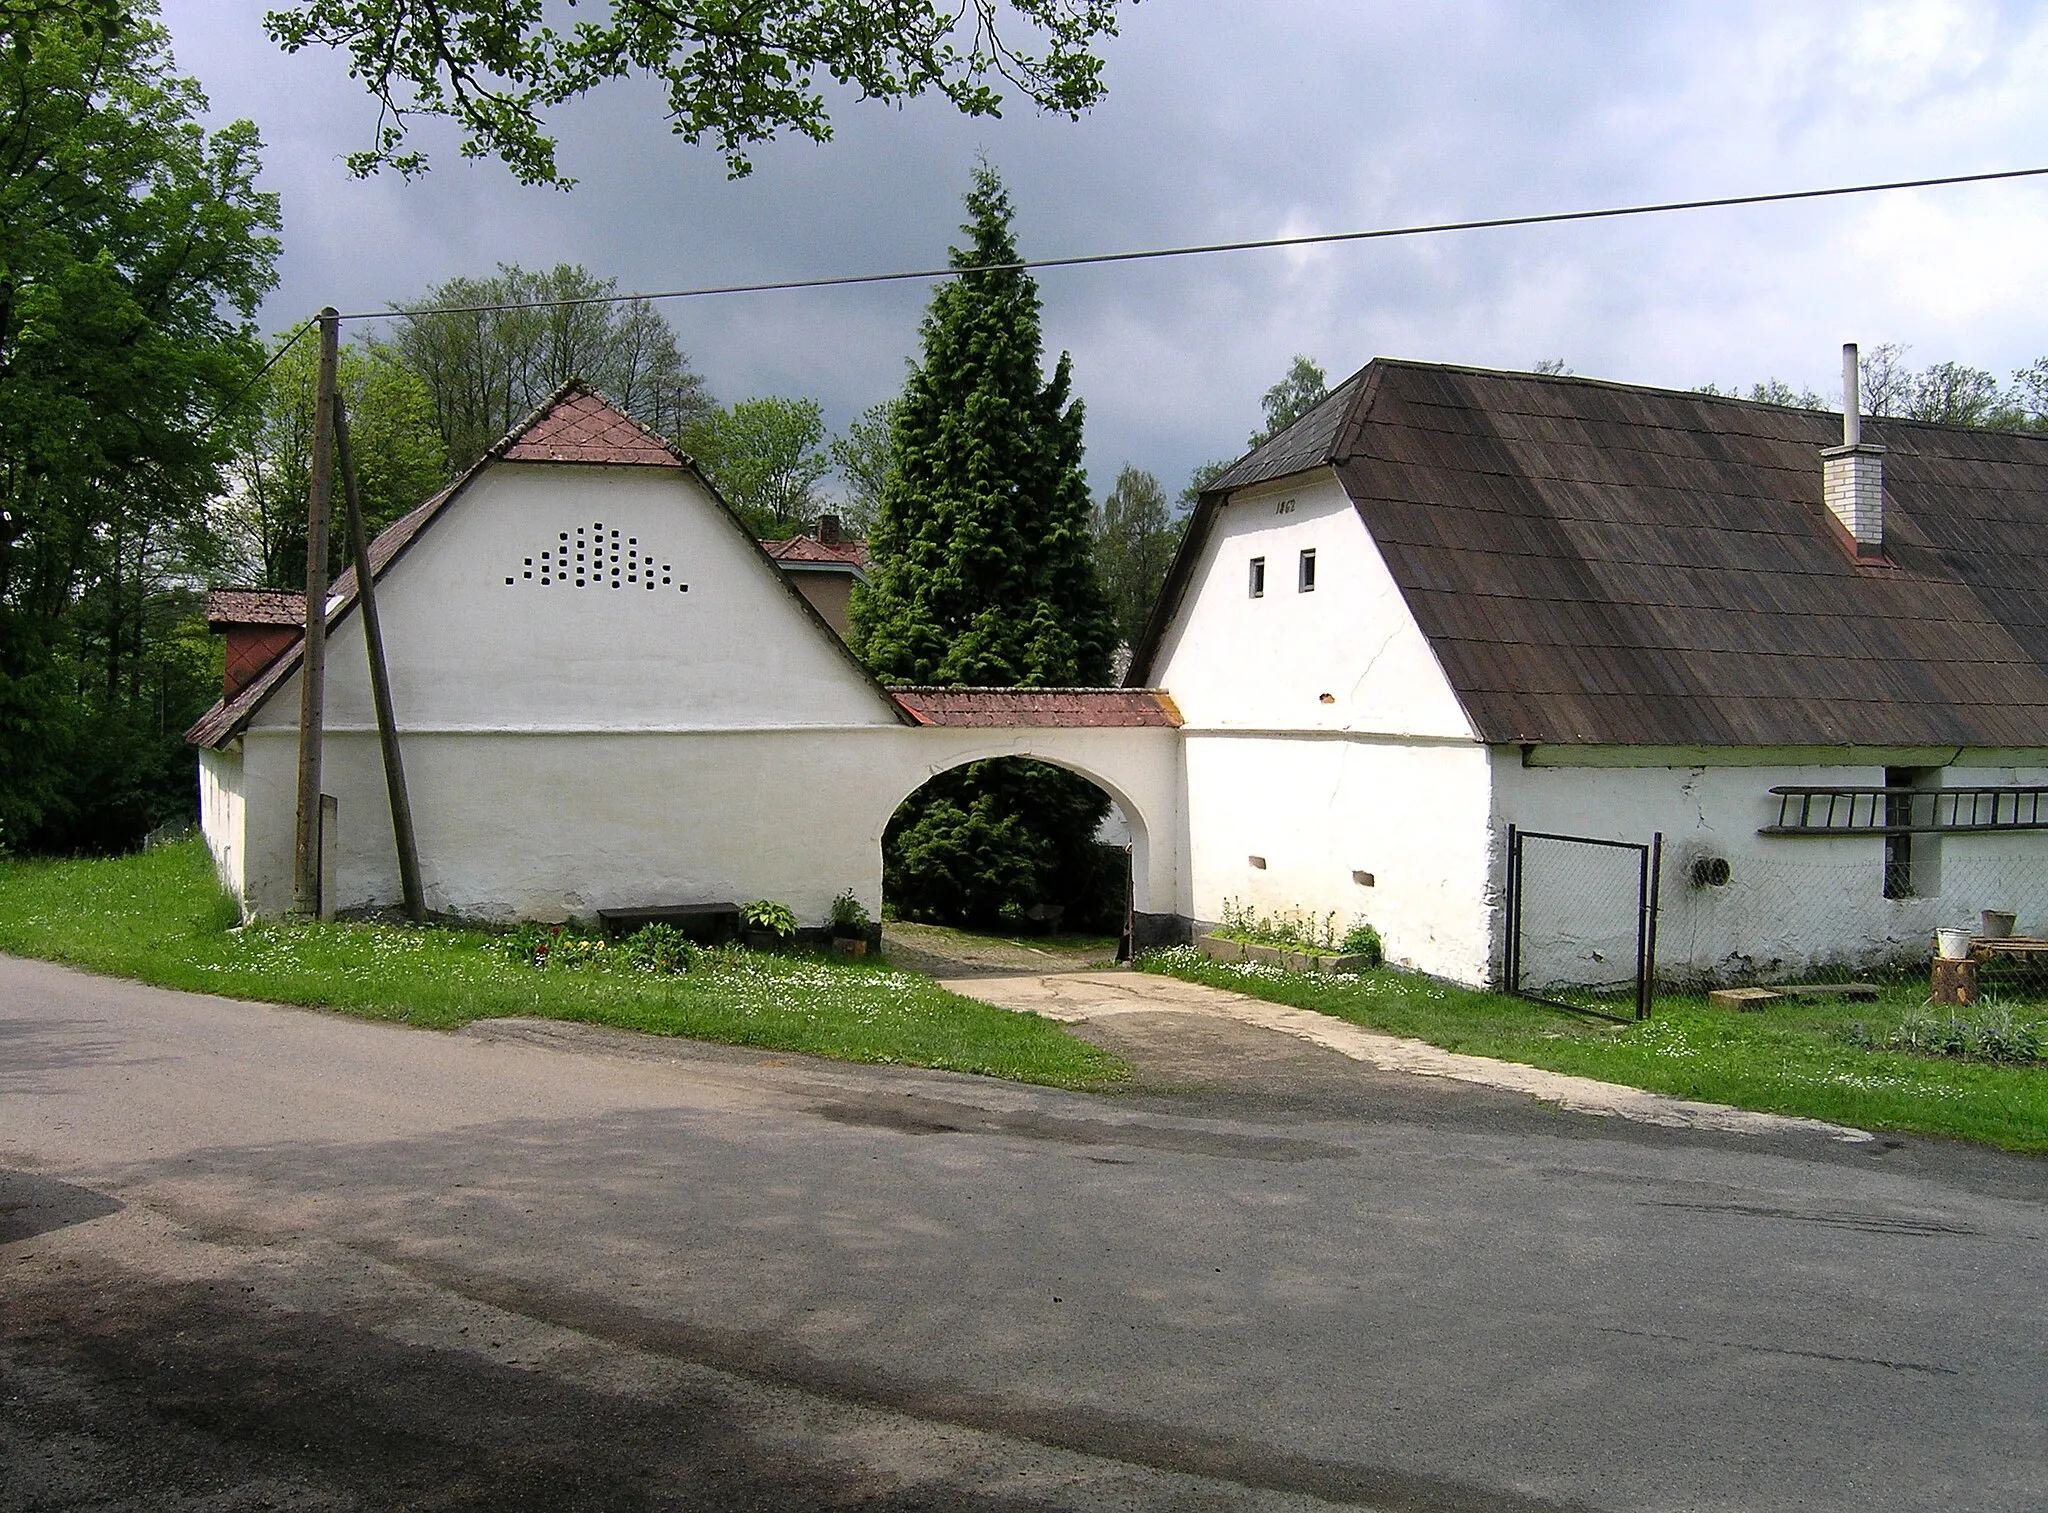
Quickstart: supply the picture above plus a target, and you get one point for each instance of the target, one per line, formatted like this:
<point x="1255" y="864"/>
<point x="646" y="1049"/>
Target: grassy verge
<point x="161" y="918"/>
<point x="1821" y="1059"/>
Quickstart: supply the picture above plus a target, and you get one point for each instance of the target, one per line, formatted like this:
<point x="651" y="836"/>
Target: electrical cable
<point x="1311" y="239"/>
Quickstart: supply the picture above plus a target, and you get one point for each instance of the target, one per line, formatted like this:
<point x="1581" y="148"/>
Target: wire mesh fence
<point x="1833" y="910"/>
<point x="1581" y="927"/>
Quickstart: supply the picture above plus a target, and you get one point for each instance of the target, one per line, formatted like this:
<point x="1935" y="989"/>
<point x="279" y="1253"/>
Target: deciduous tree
<point x="734" y="74"/>
<point x="863" y="458"/>
<point x="134" y="248"/>
<point x="766" y="457"/>
<point x="1304" y="386"/>
<point x="490" y="349"/>
<point x="1134" y="543"/>
<point x="399" y="456"/>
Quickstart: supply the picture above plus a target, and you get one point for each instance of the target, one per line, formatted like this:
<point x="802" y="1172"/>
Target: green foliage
<point x="1304" y="386"/>
<point x="134" y="249"/>
<point x="863" y="458"/>
<point x="848" y="917"/>
<point x="1204" y="474"/>
<point x="1994" y="1033"/>
<point x="159" y="916"/>
<point x="1364" y="940"/>
<point x="399" y="455"/>
<point x="661" y="949"/>
<point x="766" y="457"/>
<point x="487" y="368"/>
<point x="1290" y="929"/>
<point x="766" y="914"/>
<point x="983" y="571"/>
<point x="1134" y="546"/>
<point x="735" y="75"/>
<point x="983" y="574"/>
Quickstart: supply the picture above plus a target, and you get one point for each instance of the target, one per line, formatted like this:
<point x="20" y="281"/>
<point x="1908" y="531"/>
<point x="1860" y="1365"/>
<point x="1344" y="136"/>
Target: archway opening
<point x="1010" y="844"/>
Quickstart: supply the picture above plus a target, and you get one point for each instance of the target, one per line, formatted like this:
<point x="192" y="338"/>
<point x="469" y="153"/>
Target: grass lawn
<point x="160" y="917"/>
<point x="1792" y="1058"/>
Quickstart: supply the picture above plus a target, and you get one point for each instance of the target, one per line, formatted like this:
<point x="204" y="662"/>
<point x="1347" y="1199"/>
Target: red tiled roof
<point x="578" y="426"/>
<point x="852" y="554"/>
<point x="254" y="606"/>
<point x="1040" y="707"/>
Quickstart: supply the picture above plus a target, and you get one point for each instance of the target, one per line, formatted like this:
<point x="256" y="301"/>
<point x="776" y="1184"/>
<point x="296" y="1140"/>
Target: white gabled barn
<point x="609" y="696"/>
<point x="1448" y="601"/>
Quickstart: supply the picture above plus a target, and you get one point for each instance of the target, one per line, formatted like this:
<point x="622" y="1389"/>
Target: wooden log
<point x="380" y="678"/>
<point x="1745" y="999"/>
<point x="1955" y="983"/>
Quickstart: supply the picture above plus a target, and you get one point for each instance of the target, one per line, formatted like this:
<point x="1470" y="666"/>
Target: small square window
<point x="1305" y="578"/>
<point x="1258" y="577"/>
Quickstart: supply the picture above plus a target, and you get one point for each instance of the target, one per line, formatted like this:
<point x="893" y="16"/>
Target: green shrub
<point x="661" y="949"/>
<point x="1363" y="940"/>
<point x="766" y="914"/>
<point x="848" y="918"/>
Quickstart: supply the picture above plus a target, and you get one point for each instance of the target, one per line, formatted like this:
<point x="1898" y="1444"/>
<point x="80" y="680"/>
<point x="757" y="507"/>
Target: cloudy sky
<point x="1232" y="119"/>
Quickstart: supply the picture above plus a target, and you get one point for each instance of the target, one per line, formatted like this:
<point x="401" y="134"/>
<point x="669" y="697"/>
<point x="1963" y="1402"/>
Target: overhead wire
<point x="1307" y="239"/>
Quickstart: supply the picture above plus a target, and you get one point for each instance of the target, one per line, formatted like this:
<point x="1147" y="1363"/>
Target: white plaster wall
<point x="1413" y="815"/>
<point x="549" y="826"/>
<point x="270" y="783"/>
<point x="468" y="651"/>
<point x="1792" y="903"/>
<point x="223" y="816"/>
<point x="1232" y="661"/>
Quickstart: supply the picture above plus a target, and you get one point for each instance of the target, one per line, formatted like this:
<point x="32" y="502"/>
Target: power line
<point x="1313" y="239"/>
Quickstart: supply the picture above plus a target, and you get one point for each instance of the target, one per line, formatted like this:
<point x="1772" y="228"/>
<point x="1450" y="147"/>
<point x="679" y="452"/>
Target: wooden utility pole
<point x="380" y="678"/>
<point x="313" y="666"/>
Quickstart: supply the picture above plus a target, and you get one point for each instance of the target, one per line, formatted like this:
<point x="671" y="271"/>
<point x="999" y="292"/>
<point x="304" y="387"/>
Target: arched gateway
<point x="609" y="697"/>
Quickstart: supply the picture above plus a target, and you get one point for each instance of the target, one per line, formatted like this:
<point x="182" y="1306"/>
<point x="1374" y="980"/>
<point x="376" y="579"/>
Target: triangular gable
<point x="574" y="425"/>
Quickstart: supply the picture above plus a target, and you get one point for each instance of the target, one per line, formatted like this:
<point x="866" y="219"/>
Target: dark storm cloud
<point x="1236" y="120"/>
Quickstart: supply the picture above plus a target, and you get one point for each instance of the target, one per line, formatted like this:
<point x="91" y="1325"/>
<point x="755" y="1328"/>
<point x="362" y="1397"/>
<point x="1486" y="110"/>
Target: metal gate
<point x="1582" y="921"/>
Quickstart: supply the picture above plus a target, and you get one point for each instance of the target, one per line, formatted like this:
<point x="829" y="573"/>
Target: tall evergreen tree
<point x="983" y="574"/>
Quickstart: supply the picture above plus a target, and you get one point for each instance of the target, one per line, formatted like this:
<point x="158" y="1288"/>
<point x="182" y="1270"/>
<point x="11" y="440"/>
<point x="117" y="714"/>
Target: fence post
<point x="1646" y="980"/>
<point x="1512" y="950"/>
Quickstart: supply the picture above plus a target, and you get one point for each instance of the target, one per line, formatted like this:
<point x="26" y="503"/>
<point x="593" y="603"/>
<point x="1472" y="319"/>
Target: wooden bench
<point x="706" y="923"/>
<point x="1984" y="947"/>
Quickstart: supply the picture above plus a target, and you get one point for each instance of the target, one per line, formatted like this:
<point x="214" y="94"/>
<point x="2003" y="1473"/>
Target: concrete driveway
<point x="258" y="1257"/>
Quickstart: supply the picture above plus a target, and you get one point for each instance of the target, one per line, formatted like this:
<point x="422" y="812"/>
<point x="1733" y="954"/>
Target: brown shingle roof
<point x="1600" y="563"/>
<point x="1039" y="707"/>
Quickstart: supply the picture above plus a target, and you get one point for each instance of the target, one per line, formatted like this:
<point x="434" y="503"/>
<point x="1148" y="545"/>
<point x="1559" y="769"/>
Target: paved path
<point x="260" y="1257"/>
<point x="1101" y="998"/>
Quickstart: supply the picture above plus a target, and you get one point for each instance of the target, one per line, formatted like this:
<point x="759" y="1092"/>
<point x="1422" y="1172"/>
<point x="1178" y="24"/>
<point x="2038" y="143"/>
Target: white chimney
<point x="1853" y="473"/>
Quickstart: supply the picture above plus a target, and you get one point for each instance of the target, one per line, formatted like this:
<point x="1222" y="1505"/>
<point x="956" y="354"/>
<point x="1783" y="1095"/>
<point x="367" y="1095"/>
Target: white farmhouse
<point x="1444" y="603"/>
<point x="1449" y="601"/>
<point x="610" y="697"/>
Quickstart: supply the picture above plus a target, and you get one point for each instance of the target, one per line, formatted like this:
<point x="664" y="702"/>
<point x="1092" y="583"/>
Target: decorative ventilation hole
<point x="597" y="556"/>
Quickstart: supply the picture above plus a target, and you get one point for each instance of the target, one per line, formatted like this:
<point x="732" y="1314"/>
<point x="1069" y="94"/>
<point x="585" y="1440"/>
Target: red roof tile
<point x="579" y="426"/>
<point x="1040" y="707"/>
<point x="852" y="554"/>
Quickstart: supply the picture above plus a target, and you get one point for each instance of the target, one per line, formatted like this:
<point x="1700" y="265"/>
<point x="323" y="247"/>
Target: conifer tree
<point x="983" y="575"/>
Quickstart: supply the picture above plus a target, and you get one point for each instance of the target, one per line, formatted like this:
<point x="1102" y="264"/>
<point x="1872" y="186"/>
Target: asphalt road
<point x="266" y="1258"/>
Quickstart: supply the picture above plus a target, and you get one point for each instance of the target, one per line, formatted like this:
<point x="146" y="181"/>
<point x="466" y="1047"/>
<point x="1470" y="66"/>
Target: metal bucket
<point x="1952" y="944"/>
<point x="1998" y="924"/>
